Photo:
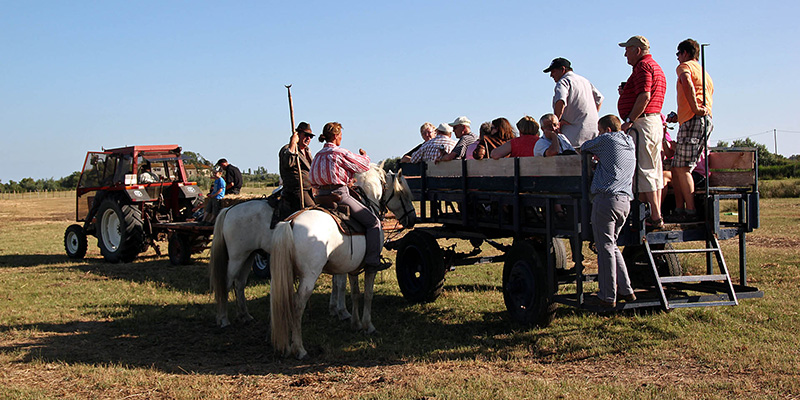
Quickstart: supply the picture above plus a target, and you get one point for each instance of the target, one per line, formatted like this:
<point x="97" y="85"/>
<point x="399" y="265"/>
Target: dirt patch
<point x="773" y="242"/>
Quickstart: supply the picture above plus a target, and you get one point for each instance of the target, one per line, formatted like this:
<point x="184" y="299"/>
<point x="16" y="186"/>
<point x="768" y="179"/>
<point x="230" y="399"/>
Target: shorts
<point x="690" y="141"/>
<point x="650" y="172"/>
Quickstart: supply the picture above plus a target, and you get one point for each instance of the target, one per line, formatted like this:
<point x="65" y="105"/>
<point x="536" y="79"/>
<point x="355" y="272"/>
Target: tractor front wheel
<point x="75" y="242"/>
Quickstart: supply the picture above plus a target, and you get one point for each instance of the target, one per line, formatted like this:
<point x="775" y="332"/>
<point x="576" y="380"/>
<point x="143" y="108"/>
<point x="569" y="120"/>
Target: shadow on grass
<point x="192" y="278"/>
<point x="36" y="260"/>
<point x="184" y="339"/>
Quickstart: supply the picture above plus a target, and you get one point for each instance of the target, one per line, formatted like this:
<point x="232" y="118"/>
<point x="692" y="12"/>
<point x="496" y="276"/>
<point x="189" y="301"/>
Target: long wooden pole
<point x="299" y="170"/>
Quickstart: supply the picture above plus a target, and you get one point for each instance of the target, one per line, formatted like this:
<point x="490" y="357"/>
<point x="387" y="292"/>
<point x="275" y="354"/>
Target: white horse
<point x="312" y="245"/>
<point x="239" y="233"/>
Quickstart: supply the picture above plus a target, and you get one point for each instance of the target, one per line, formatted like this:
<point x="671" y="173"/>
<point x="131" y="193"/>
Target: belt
<point x="650" y="114"/>
<point x="330" y="187"/>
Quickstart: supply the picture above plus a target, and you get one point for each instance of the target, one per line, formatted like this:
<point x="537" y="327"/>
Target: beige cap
<point x="446" y="128"/>
<point x="637" y="41"/>
<point x="461" y="121"/>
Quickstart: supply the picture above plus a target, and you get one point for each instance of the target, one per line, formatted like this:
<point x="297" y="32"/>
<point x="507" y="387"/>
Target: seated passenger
<point x="553" y="142"/>
<point x="501" y="132"/>
<point x="461" y="127"/>
<point x="485" y="129"/>
<point x="434" y="149"/>
<point x="213" y="200"/>
<point x="427" y="130"/>
<point x="523" y="145"/>
<point x="147" y="175"/>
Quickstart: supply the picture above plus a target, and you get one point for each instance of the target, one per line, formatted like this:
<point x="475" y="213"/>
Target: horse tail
<point x="218" y="263"/>
<point x="282" y="286"/>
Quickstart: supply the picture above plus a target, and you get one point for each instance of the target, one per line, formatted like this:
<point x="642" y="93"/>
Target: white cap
<point x="445" y="128"/>
<point x="461" y="121"/>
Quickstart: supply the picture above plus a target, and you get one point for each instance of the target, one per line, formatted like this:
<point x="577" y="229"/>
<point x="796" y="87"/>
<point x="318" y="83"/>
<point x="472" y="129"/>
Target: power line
<point x="746" y="136"/>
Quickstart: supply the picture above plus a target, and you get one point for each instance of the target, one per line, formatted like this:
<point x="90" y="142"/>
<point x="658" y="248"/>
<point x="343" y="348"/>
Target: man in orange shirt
<point x="695" y="126"/>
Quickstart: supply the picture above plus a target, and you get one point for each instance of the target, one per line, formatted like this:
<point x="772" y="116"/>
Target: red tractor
<point x="124" y="197"/>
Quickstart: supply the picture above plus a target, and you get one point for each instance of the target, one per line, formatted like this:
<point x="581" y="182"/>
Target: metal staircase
<point x="708" y="283"/>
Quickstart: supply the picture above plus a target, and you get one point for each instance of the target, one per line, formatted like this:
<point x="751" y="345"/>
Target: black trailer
<point x="541" y="202"/>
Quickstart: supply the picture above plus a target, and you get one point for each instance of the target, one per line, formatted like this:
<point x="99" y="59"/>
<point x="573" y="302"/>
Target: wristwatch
<point x="628" y="120"/>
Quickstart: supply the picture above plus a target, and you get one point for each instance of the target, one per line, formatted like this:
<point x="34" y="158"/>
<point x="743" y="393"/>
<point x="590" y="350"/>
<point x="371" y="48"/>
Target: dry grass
<point x="87" y="329"/>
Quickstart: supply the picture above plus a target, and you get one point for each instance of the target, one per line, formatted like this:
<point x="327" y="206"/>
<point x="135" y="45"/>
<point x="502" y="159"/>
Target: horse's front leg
<point x="337" y="306"/>
<point x="355" y="296"/>
<point x="369" y="285"/>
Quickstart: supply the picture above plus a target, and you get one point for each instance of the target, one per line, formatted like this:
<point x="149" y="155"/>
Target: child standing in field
<point x="213" y="201"/>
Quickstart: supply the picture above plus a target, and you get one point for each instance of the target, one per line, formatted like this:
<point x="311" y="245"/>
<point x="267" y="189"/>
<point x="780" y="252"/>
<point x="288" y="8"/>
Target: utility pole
<point x="775" y="137"/>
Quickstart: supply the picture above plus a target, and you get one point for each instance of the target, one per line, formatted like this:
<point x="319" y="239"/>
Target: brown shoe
<point x="593" y="300"/>
<point x="626" y="297"/>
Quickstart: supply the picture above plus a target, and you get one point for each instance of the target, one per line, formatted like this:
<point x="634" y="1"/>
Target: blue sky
<point x="210" y="76"/>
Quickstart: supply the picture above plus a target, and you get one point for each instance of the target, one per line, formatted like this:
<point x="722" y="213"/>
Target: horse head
<point x="397" y="197"/>
<point x="389" y="191"/>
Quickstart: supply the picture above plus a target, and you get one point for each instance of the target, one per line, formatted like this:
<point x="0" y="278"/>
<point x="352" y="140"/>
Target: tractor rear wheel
<point x="120" y="235"/>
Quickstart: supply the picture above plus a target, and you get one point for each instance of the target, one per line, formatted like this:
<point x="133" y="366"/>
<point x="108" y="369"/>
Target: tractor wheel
<point x="180" y="249"/>
<point x="420" y="267"/>
<point x="120" y="235"/>
<point x="75" y="242"/>
<point x="261" y="265"/>
<point x="525" y="286"/>
<point x="638" y="264"/>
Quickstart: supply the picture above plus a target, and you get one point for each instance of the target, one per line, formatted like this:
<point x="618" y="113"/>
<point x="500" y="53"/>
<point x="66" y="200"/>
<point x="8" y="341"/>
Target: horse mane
<point x="372" y="181"/>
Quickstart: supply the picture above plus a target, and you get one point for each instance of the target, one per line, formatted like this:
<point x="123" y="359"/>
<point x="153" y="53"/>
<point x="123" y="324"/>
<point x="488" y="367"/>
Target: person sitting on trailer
<point x="462" y="130"/>
<point x="233" y="176"/>
<point x="523" y="145"/>
<point x="428" y="131"/>
<point x="214" y="198"/>
<point x="553" y="142"/>
<point x="695" y="126"/>
<point x="500" y="133"/>
<point x="483" y="131"/>
<point x="615" y="152"/>
<point x="434" y="149"/>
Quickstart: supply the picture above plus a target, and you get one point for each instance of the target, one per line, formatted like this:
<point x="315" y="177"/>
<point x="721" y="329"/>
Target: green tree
<point x="391" y="164"/>
<point x="195" y="158"/>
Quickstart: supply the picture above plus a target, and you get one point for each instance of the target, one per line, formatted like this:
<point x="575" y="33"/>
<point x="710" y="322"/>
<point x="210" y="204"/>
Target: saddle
<point x="340" y="215"/>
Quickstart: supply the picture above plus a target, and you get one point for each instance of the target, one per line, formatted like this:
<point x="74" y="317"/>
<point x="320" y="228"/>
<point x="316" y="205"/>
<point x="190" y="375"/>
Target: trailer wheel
<point x="75" y="242"/>
<point x="261" y="265"/>
<point x="525" y="286"/>
<point x="639" y="266"/>
<point x="420" y="267"/>
<point x="180" y="249"/>
<point x="121" y="232"/>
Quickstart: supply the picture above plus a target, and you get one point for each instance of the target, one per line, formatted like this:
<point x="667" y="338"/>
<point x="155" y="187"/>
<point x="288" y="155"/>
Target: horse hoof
<point x="301" y="355"/>
<point x="344" y="316"/>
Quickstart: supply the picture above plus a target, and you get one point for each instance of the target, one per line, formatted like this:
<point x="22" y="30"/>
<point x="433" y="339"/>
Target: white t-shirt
<point x="544" y="143"/>
<point x="580" y="107"/>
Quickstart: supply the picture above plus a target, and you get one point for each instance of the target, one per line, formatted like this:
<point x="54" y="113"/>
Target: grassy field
<point x="145" y="330"/>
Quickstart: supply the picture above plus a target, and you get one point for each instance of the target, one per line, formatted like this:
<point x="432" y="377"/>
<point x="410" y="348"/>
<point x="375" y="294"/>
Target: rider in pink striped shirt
<point x="331" y="171"/>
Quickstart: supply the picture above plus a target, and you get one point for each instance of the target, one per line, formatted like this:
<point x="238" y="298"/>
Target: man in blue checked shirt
<point x="612" y="189"/>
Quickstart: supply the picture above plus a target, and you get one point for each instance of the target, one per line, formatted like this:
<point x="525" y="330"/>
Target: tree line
<point x="771" y="166"/>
